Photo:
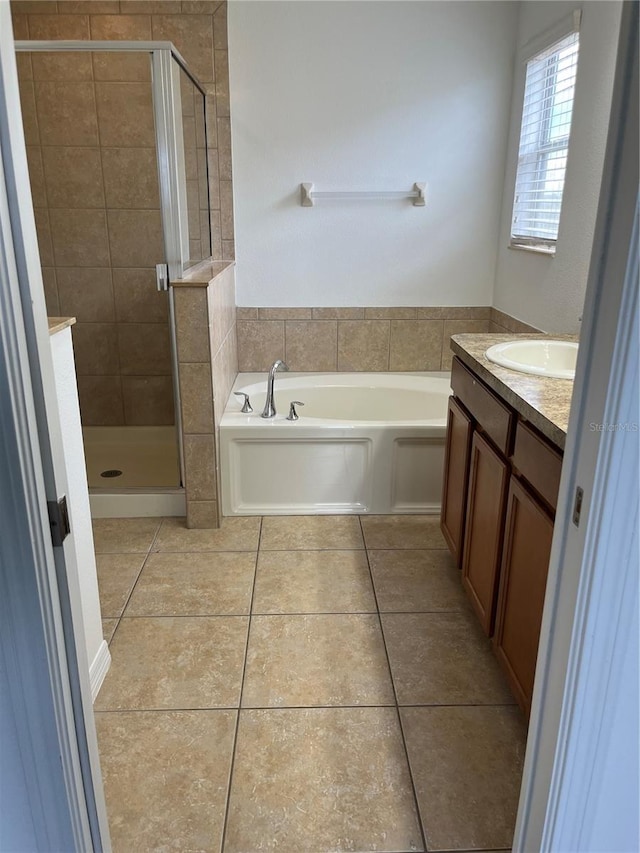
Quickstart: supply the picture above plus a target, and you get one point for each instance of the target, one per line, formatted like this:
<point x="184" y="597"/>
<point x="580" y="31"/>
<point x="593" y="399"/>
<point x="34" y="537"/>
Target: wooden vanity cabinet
<point x="486" y="500"/>
<point x="531" y="505"/>
<point x="498" y="506"/>
<point x="480" y="499"/>
<point x="456" y="476"/>
<point x="523" y="581"/>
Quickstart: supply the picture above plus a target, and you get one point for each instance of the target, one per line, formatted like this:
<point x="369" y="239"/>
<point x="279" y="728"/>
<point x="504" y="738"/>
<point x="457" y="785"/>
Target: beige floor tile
<point x="165" y="777"/>
<point x="108" y="628"/>
<point x="203" y="584"/>
<point x="124" y="535"/>
<point x="309" y="532"/>
<point x="316" y="660"/>
<point x="313" y="582"/>
<point x="321" y="779"/>
<point x="117" y="573"/>
<point x="175" y="663"/>
<point x="402" y="531"/>
<point x="407" y="580"/>
<point x="442" y="659"/>
<point x="235" y="534"/>
<point x="467" y="766"/>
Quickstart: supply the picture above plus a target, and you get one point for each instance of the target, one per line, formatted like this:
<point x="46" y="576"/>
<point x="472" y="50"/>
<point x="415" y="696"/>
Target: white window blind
<point x="544" y="143"/>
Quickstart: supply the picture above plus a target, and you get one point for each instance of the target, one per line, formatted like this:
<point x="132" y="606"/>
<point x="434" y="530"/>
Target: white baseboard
<point x="99" y="668"/>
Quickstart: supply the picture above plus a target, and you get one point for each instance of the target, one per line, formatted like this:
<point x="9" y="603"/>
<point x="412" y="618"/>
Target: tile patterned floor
<point x="301" y="685"/>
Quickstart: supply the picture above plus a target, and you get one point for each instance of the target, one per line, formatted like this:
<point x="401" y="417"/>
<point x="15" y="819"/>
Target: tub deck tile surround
<point x="542" y="401"/>
<point x="318" y="340"/>
<point x="311" y="684"/>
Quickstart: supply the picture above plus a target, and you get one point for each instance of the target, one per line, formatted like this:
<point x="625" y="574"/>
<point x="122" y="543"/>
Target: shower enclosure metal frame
<point x="169" y="146"/>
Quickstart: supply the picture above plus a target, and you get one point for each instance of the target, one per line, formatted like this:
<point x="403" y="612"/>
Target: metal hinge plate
<point x="59" y="520"/>
<point x="162" y="277"/>
<point x="577" y="506"/>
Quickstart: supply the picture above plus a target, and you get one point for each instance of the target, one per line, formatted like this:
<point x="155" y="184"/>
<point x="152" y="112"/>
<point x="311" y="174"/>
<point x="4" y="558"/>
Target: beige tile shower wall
<point x="198" y="28"/>
<point x="94" y="111"/>
<point x="207" y="368"/>
<point x="353" y="339"/>
<point x="91" y="143"/>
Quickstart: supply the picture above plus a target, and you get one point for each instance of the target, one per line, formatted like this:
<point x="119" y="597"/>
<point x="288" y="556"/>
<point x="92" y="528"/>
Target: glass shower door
<point x="93" y="157"/>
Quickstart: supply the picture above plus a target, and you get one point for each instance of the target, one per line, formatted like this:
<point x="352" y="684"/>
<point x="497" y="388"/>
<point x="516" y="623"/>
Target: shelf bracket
<point x="306" y="199"/>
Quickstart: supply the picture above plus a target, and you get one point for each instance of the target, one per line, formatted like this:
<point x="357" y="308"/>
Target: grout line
<point x="145" y="556"/>
<point x="291" y="708"/>
<point x="405" y="548"/>
<point x="183" y="616"/>
<point x="245" y="614"/>
<point x="267" y="550"/>
<point x="397" y="707"/>
<point x="244" y="670"/>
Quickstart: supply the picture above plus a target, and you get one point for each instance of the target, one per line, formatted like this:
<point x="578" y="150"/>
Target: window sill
<point x="549" y="251"/>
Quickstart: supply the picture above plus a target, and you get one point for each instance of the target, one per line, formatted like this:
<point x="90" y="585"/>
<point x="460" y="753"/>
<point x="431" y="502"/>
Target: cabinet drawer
<point x="496" y="419"/>
<point x="538" y="462"/>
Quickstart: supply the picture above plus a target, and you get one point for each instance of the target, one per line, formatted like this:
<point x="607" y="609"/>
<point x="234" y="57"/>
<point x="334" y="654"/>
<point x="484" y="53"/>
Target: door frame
<point x="591" y="602"/>
<point x="41" y="633"/>
<point x="60" y="755"/>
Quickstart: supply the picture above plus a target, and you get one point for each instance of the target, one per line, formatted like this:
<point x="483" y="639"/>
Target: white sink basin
<point x="556" y="359"/>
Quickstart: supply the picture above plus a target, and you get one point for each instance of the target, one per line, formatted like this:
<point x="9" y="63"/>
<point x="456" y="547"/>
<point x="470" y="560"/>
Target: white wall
<point x="548" y="292"/>
<point x="365" y="96"/>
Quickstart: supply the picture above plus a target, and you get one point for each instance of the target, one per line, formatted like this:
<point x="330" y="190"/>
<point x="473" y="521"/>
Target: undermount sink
<point x="555" y="359"/>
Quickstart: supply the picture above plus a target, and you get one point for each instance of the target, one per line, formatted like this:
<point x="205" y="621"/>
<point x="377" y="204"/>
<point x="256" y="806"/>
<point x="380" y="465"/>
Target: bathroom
<point x="356" y="98"/>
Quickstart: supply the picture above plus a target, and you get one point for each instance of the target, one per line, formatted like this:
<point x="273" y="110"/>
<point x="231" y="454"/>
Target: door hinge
<point x="162" y="276"/>
<point x="59" y="520"/>
<point x="577" y="506"/>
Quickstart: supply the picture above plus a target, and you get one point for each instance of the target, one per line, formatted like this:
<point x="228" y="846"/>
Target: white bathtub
<point x="364" y="443"/>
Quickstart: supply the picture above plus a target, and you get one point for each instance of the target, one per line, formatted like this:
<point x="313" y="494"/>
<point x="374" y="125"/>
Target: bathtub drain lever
<point x="247" y="408"/>
<point x="293" y="415"/>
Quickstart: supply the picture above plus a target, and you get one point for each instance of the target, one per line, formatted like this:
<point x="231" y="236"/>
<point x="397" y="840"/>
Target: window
<point x="544" y="143"/>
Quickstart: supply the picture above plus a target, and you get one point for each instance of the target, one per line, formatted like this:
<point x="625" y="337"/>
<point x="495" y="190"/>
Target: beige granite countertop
<point x="201" y="274"/>
<point x="57" y="324"/>
<point x="543" y="402"/>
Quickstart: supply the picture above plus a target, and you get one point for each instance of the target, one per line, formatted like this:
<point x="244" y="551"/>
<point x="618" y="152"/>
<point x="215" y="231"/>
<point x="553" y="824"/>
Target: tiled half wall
<point x="207" y="368"/>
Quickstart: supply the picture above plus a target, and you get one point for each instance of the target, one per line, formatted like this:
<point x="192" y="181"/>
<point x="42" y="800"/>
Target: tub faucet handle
<point x="247" y="408"/>
<point x="293" y="415"/>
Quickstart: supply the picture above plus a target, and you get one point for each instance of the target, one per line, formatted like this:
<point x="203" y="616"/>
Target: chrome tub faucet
<point x="269" y="406"/>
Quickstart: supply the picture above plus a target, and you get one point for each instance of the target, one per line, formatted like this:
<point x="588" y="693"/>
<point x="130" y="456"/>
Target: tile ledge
<point x="203" y="273"/>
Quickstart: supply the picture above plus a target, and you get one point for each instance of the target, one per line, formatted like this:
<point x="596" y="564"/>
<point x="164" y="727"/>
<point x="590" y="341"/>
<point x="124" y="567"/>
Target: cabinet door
<point x="523" y="581"/>
<point x="488" y="481"/>
<point x="456" y="470"/>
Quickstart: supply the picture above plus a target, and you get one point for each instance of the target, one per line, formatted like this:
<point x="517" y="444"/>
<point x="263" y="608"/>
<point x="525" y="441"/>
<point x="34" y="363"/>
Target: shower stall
<point x="117" y="148"/>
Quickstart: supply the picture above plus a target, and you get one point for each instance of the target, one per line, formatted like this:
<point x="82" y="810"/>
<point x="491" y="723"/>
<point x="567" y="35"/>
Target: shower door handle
<point x="162" y="277"/>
